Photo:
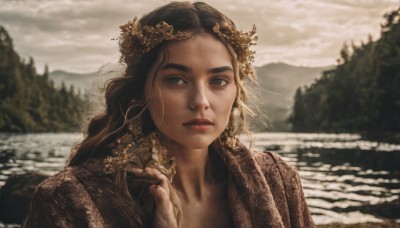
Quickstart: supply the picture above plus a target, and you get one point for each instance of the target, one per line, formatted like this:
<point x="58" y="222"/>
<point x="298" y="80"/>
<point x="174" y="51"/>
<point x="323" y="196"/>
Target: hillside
<point x="361" y="94"/>
<point x="29" y="102"/>
<point x="279" y="82"/>
<point x="82" y="82"/>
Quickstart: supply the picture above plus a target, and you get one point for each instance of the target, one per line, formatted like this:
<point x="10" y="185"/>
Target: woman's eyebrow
<point x="220" y="69"/>
<point x="184" y="68"/>
<point x="176" y="66"/>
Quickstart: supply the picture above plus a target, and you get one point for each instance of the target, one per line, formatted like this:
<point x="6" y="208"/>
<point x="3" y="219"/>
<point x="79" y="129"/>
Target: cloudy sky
<point x="76" y="35"/>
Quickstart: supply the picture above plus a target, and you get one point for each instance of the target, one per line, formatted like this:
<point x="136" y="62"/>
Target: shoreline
<point x="384" y="224"/>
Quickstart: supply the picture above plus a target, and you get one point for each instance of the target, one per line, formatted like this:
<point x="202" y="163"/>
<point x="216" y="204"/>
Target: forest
<point x="361" y="94"/>
<point x="29" y="102"/>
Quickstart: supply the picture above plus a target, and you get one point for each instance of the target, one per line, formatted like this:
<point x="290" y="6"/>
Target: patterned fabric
<point x="263" y="191"/>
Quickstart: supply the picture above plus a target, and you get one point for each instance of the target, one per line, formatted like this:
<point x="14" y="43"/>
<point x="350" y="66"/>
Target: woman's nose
<point x="198" y="99"/>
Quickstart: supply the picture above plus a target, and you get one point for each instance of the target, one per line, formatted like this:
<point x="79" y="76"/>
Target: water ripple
<point x="340" y="173"/>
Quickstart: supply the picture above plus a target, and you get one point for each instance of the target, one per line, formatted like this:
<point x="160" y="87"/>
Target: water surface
<point x="340" y="172"/>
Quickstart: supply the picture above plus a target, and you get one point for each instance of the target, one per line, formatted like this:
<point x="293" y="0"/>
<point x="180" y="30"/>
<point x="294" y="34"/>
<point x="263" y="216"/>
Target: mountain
<point x="87" y="83"/>
<point x="82" y="82"/>
<point x="279" y="82"/>
<point x="278" y="85"/>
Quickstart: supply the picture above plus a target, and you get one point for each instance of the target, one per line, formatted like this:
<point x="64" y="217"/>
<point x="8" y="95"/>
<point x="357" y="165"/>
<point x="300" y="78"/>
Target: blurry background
<point x="330" y="85"/>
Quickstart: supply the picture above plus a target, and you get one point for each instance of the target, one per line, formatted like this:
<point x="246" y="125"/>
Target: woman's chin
<point x="195" y="144"/>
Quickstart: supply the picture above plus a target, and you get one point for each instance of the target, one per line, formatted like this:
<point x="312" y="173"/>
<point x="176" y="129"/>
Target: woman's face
<point x="192" y="95"/>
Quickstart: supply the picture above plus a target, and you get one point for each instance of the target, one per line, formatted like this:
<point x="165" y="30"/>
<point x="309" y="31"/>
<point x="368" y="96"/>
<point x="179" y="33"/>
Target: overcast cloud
<point x="76" y="35"/>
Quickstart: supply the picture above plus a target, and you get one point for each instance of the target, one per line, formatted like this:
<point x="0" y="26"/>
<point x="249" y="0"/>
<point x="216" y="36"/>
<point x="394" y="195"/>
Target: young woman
<point x="165" y="151"/>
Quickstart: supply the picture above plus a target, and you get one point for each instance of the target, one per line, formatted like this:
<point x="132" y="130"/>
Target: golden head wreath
<point x="136" y="40"/>
<point x="240" y="42"/>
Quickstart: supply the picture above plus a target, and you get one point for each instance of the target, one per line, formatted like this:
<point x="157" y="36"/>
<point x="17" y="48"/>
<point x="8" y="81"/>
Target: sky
<point x="77" y="35"/>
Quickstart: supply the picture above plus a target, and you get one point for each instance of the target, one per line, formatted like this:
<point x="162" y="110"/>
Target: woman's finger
<point x="136" y="171"/>
<point x="150" y="175"/>
<point x="159" y="189"/>
<point x="164" y="214"/>
<point x="161" y="196"/>
<point x="159" y="176"/>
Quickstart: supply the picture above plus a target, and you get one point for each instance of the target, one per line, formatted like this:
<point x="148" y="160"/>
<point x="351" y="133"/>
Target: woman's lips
<point x="198" y="124"/>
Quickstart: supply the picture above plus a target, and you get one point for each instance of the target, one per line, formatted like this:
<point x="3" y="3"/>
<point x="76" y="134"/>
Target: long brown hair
<point x="125" y="101"/>
<point x="124" y="96"/>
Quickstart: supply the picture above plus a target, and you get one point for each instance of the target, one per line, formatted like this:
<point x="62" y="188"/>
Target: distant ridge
<point x="81" y="81"/>
<point x="279" y="82"/>
<point x="85" y="81"/>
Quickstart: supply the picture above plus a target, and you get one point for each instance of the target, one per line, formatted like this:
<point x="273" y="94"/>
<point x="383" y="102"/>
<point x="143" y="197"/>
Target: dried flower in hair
<point x="136" y="40"/>
<point x="147" y="151"/>
<point x="240" y="42"/>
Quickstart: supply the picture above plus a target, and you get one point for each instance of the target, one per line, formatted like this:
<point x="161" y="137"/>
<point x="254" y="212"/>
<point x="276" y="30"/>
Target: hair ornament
<point x="135" y="150"/>
<point x="241" y="43"/>
<point x="136" y="40"/>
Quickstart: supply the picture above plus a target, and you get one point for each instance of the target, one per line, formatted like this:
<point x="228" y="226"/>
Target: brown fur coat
<point x="263" y="191"/>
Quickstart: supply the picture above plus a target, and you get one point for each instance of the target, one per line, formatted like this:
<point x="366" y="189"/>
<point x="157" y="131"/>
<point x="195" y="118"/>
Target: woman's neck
<point x="192" y="175"/>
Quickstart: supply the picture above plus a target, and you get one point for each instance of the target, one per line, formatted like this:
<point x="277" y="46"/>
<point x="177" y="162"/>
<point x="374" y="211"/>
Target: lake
<point x="341" y="173"/>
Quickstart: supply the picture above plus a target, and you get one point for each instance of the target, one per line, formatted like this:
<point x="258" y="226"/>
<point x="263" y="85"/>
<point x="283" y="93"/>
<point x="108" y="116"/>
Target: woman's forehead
<point x="201" y="50"/>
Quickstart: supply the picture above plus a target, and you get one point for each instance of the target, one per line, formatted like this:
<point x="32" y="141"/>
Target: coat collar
<point x="249" y="196"/>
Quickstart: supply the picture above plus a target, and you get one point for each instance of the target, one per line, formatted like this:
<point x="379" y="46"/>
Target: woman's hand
<point x="164" y="214"/>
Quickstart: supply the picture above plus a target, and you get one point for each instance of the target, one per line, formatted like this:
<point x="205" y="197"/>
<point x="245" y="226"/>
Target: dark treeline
<point x="29" y="102"/>
<point x="360" y="95"/>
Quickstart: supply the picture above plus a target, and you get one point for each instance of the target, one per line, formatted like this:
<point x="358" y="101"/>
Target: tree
<point x="29" y="102"/>
<point x="362" y="93"/>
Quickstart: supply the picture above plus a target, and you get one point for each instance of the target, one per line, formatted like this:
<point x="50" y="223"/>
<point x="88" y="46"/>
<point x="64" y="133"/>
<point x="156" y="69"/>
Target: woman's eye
<point x="219" y="82"/>
<point x="175" y="80"/>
